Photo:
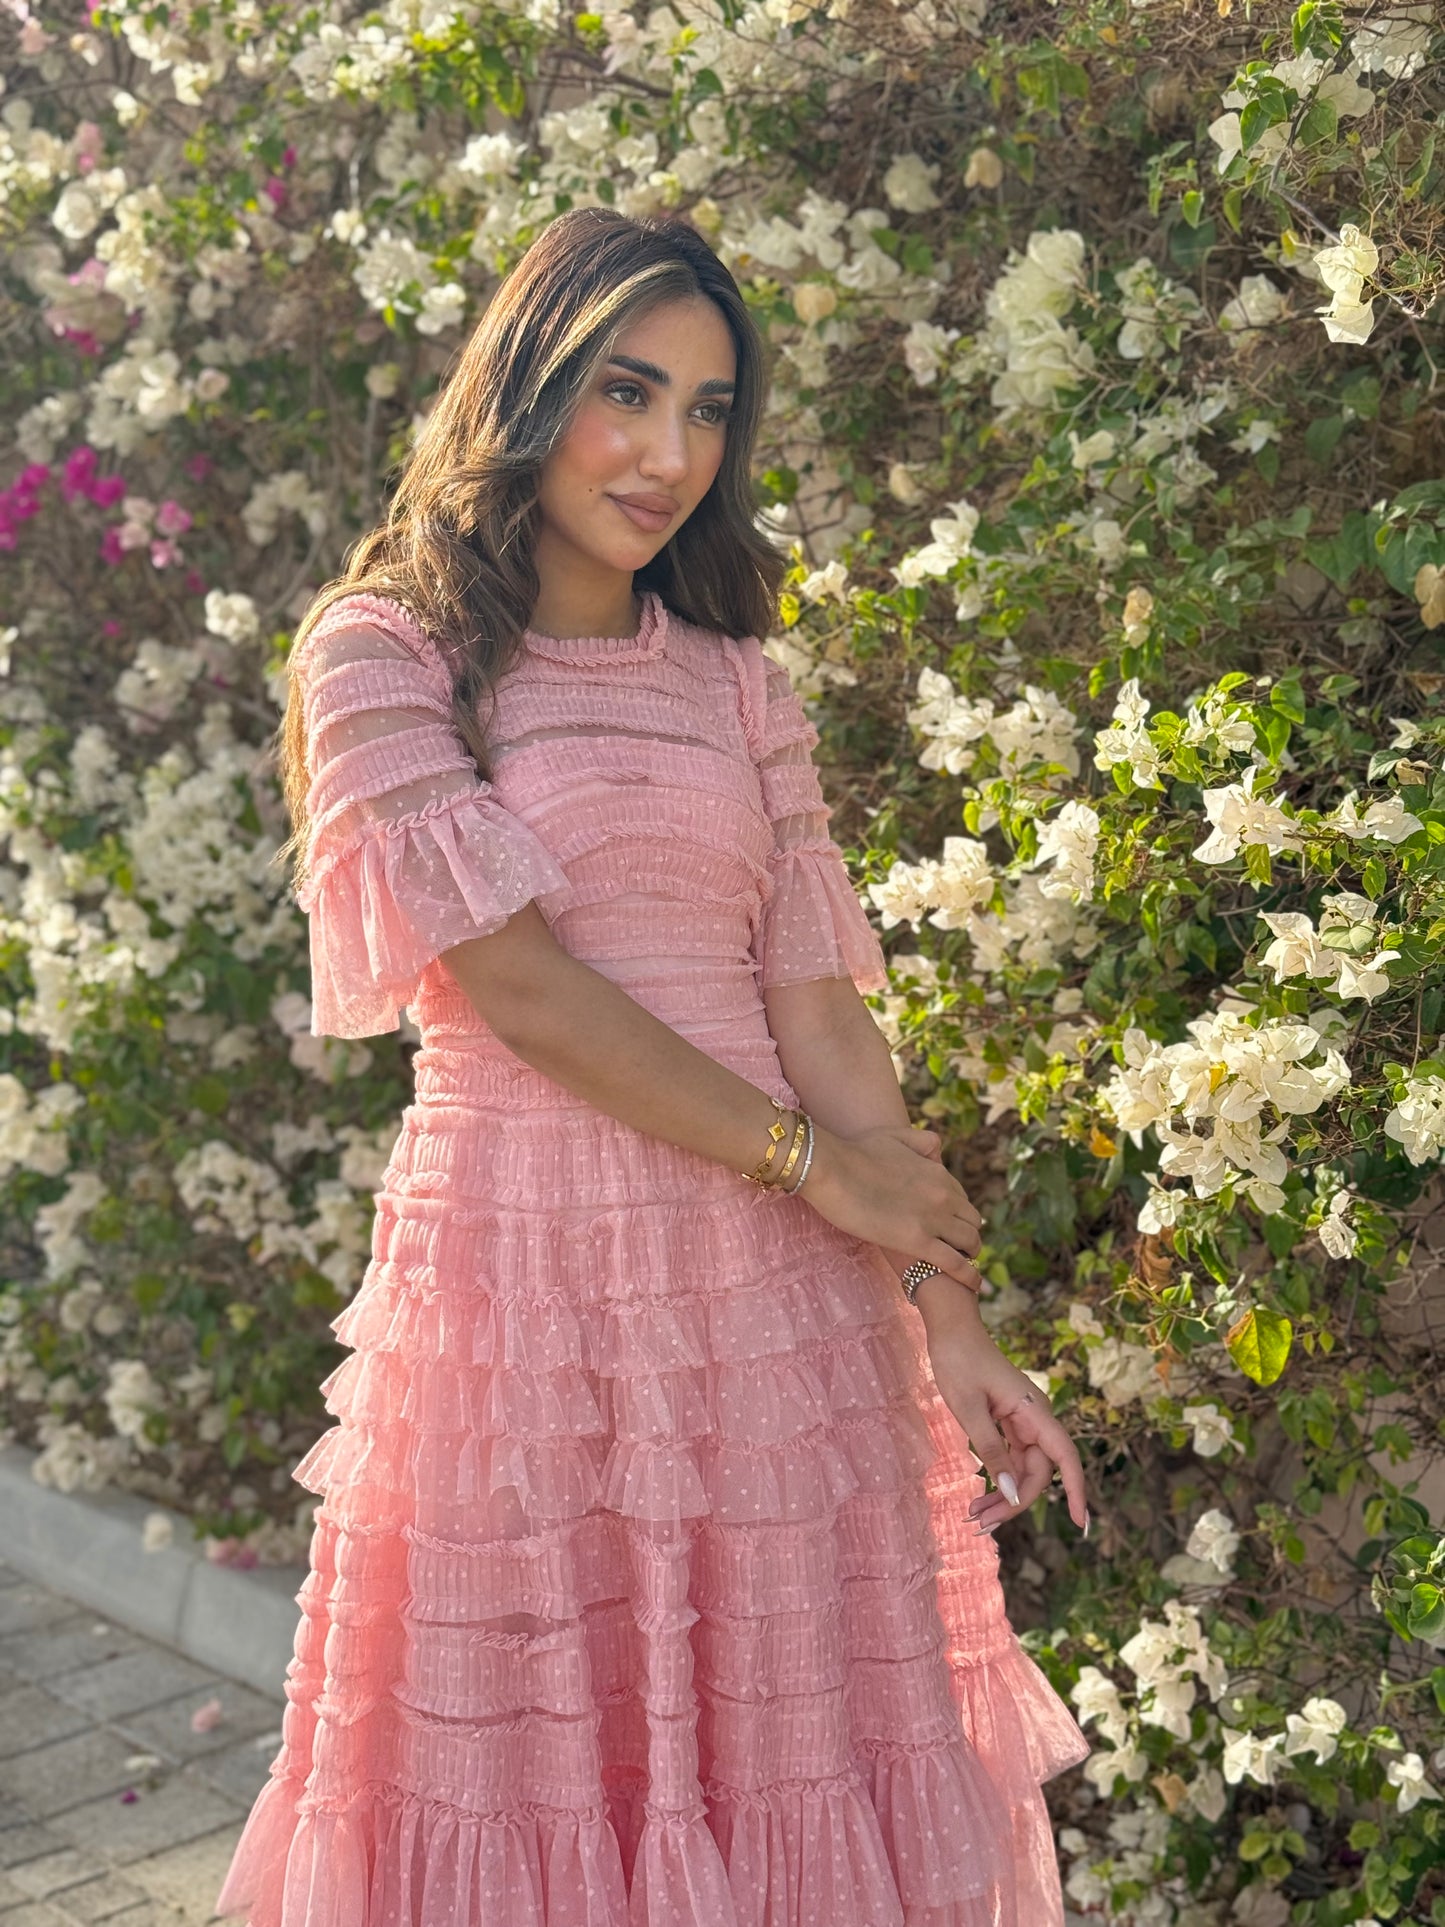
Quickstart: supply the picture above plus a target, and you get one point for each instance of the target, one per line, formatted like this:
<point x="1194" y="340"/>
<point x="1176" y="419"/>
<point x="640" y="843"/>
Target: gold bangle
<point x="799" y="1137"/>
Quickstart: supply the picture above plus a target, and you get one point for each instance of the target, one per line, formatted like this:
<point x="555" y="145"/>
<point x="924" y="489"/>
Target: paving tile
<point x="181" y="1809"/>
<point x="189" y="1877"/>
<point x="34" y="1913"/>
<point x="238" y="1771"/>
<point x="109" y="1898"/>
<point x="48" y="1779"/>
<point x="12" y="1814"/>
<point x="10" y="1894"/>
<point x="32" y="1716"/>
<point x="25" y="1606"/>
<point x="65" y="1647"/>
<point x="133" y="1682"/>
<point x="28" y="1842"/>
<point x="167" y="1729"/>
<point x="48" y="1876"/>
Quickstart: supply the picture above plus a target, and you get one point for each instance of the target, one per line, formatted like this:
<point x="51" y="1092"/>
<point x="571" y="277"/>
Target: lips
<point x="651" y="512"/>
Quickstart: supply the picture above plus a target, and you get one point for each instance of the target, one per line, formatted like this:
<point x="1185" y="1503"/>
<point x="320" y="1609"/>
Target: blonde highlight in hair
<point x="457" y="545"/>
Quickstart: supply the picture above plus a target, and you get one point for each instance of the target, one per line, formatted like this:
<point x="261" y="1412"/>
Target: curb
<point x="240" y="1622"/>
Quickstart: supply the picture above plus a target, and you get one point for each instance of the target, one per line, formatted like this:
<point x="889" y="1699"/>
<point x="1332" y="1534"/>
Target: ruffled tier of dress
<point x="624" y="1607"/>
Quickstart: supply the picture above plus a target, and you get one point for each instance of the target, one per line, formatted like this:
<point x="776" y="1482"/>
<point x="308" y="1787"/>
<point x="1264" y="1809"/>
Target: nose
<point x="666" y="456"/>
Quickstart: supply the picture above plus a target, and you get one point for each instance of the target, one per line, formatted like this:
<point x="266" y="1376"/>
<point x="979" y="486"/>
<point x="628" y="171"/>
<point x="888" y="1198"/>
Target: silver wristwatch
<point x="913" y="1277"/>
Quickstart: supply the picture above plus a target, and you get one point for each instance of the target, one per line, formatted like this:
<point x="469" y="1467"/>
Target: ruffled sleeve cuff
<point x="813" y="923"/>
<point x="387" y="904"/>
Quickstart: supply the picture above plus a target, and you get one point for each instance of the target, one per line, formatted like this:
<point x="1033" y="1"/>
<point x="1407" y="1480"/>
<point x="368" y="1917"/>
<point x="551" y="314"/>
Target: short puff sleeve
<point x="813" y="924"/>
<point x="410" y="850"/>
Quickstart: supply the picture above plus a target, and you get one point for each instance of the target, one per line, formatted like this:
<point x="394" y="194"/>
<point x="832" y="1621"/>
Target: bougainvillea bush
<point x="1108" y="437"/>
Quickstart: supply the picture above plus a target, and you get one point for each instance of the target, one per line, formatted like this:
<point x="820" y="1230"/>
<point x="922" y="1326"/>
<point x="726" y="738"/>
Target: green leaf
<point x="1374" y="879"/>
<point x="1259" y="1343"/>
<point x="1322" y="435"/>
<point x="1320" y="123"/>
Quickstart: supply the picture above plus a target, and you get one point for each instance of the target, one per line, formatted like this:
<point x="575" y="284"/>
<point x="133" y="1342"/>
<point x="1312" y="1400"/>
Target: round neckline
<point x="649" y="642"/>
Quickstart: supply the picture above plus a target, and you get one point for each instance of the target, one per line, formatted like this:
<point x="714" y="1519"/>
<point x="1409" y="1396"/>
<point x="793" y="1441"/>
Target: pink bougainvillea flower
<point x="207" y="1716"/>
<point x="276" y="189"/>
<point x="171" y="518"/>
<point x="165" y="554"/>
<point x="75" y="476"/>
<point x="195" y="582"/>
<point x="111" y="552"/>
<point x="89" y="145"/>
<point x="129" y="1797"/>
<point x="110" y="627"/>
<point x="288" y="158"/>
<point x="107" y="490"/>
<point x="199" y="467"/>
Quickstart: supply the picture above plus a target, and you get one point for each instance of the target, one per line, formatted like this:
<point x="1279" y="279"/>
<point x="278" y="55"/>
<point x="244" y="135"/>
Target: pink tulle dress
<point x="643" y="1591"/>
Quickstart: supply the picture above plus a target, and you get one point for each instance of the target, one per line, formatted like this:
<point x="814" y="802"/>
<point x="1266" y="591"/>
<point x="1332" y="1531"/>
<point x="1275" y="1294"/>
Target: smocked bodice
<point x="655" y="795"/>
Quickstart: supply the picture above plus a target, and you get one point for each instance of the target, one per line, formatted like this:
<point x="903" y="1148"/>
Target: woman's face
<point x="645" y="445"/>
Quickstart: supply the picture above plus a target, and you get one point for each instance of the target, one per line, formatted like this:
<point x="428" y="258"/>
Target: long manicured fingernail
<point x="983" y="1529"/>
<point x="1086" y="1522"/>
<point x="1008" y="1487"/>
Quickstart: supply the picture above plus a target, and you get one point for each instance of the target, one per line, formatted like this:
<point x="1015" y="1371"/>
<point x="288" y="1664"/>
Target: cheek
<point x="596" y="447"/>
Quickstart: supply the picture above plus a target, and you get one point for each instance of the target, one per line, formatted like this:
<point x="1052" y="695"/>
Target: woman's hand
<point x="888" y="1186"/>
<point x="1011" y="1430"/>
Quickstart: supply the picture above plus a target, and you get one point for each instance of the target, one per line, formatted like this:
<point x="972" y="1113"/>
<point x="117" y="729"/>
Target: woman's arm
<point x="576" y="1026"/>
<point x="838" y="1061"/>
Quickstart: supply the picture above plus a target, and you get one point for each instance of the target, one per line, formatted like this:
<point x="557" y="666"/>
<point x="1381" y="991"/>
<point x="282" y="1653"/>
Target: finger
<point x="990" y="1448"/>
<point x="1061" y="1449"/>
<point x="952" y="1263"/>
<point x="993" y="1508"/>
<point x="927" y="1142"/>
<point x="966" y="1235"/>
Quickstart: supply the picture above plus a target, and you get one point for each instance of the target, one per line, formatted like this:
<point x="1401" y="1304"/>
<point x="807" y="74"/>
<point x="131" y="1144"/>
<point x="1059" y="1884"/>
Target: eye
<point x="634" y="388"/>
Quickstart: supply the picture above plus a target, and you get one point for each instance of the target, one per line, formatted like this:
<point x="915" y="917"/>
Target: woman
<point x="653" y="1582"/>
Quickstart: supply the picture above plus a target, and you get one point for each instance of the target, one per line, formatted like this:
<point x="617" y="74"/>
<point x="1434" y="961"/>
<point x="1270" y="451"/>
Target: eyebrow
<point x="650" y="371"/>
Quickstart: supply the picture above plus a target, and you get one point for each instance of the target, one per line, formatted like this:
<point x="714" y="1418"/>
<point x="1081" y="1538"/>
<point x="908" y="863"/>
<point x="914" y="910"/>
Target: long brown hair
<point x="456" y="547"/>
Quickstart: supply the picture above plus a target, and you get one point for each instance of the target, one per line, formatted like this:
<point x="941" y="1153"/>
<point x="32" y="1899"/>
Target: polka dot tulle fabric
<point x="642" y="1591"/>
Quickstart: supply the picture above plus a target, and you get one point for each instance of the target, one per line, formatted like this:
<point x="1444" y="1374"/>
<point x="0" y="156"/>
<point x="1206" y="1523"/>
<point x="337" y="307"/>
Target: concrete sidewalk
<point x="79" y="1701"/>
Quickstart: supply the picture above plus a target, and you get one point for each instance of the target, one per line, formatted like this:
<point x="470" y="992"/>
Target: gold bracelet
<point x="799" y="1138"/>
<point x="777" y="1130"/>
<point x="797" y="1183"/>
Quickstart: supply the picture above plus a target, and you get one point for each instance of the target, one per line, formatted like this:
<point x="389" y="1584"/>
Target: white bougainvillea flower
<point x="1397" y="44"/>
<point x="1315" y="1729"/>
<point x="1345" y="267"/>
<point x="1121" y="1371"/>
<point x="925" y="350"/>
<point x="1386" y="819"/>
<point x="1214" y="1538"/>
<point x="1429" y="587"/>
<point x="1407" y="1775"/>
<point x="1257" y="303"/>
<point x="1069" y="841"/>
<point x="1337" y="1234"/>
<point x="1099" y="1700"/>
<point x="1249" y="1756"/>
<point x="962" y="882"/>
<point x="1296" y="950"/>
<point x="1359" y="978"/>
<point x="1213" y="1429"/>
<point x="908" y="183"/>
<point x="1417" y="1122"/>
<point x="1351" y="322"/>
<point x="1239" y="817"/>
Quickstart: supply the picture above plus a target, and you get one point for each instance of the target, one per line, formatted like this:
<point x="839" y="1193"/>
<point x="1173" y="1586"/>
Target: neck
<point x="579" y="596"/>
